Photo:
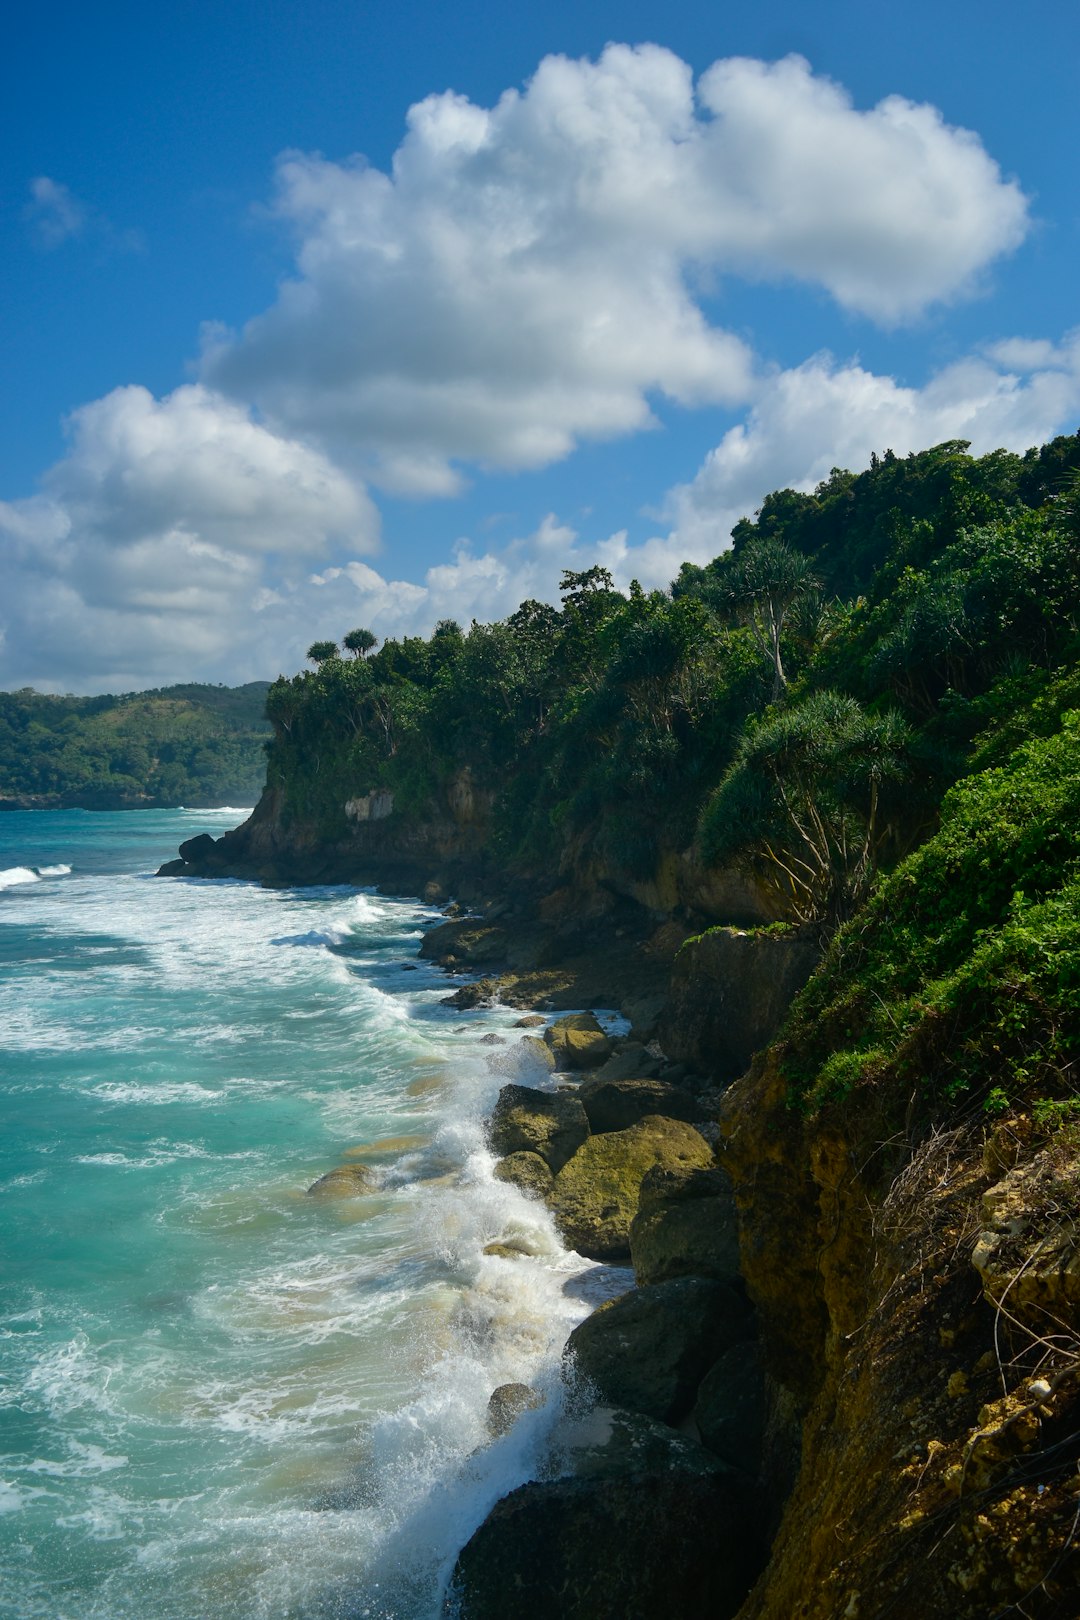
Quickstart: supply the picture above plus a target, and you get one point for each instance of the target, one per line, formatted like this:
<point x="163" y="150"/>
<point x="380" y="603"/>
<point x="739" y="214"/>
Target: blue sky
<point x="282" y="356"/>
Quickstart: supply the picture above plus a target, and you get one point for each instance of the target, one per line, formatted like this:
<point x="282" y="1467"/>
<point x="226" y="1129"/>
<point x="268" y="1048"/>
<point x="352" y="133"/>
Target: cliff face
<point x="906" y="1165"/>
<point x="374" y="843"/>
<point x="939" y="1408"/>
<point x="449" y="851"/>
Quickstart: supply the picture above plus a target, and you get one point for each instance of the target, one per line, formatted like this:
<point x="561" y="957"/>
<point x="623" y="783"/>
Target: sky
<point x="324" y="314"/>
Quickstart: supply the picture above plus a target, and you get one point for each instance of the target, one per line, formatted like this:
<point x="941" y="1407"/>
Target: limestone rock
<point x="562" y="1547"/>
<point x="1028" y="1255"/>
<point x="550" y="1123"/>
<point x="650" y="1349"/>
<point x="578" y="1042"/>
<point x="200" y="848"/>
<point x="595" y="1197"/>
<point x="686" y="1226"/>
<point x="614" y="1105"/>
<point x="527" y="1058"/>
<point x="507" y="1404"/>
<point x="631" y="1062"/>
<point x="730" y="1407"/>
<point x="730" y="993"/>
<point x="345" y="1181"/>
<point x="528" y="1171"/>
<point x="465" y="942"/>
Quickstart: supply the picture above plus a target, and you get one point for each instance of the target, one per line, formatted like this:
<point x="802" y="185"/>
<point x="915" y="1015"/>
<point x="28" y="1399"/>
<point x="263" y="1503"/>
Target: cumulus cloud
<point x="144" y="552"/>
<point x="527" y="276"/>
<point x="485" y="585"/>
<point x="825" y="414"/>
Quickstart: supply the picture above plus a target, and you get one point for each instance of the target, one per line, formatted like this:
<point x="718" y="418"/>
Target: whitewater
<point x="220" y="1397"/>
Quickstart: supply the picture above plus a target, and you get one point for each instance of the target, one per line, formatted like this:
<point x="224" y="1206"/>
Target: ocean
<point x="222" y="1398"/>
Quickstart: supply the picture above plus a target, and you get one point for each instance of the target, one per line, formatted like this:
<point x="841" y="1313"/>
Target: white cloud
<point x="485" y="585"/>
<point x="145" y="553"/>
<point x="527" y="275"/>
<point x="823" y="414"/>
<point x="55" y="214"/>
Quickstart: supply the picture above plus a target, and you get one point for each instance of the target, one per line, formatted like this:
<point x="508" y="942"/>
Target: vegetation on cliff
<point x="871" y="706"/>
<point x="191" y="744"/>
<point x="799" y="705"/>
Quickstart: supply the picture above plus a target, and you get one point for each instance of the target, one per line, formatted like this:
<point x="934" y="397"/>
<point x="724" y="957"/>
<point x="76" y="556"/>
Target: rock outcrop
<point x="529" y="1172"/>
<point x="578" y="1042"/>
<point x="686" y="1226"/>
<point x="344" y="1181"/>
<point x="595" y="1196"/>
<point x="643" y="1522"/>
<point x="650" y="1349"/>
<point x="615" y="1105"/>
<point x="552" y="1124"/>
<point x="730" y="993"/>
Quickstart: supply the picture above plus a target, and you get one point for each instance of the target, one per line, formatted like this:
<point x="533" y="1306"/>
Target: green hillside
<point x="193" y="744"/>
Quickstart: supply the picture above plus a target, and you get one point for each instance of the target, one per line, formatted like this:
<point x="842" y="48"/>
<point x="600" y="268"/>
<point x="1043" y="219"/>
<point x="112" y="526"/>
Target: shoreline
<point x="508" y="953"/>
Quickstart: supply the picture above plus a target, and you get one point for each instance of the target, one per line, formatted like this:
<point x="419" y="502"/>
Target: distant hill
<point x="192" y="744"/>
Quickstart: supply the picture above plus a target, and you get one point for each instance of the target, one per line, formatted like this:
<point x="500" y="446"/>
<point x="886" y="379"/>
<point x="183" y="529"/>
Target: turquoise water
<point x="220" y="1397"/>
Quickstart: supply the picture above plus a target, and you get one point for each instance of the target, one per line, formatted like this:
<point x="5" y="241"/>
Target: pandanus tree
<point x="804" y="800"/>
<point x="360" y="642"/>
<point x="760" y="586"/>
<point x="320" y="652"/>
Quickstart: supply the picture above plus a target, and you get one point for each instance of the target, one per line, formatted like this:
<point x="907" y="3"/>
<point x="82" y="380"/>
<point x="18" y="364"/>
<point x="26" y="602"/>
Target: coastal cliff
<point x="912" y="1255"/>
<point x="841" y="1144"/>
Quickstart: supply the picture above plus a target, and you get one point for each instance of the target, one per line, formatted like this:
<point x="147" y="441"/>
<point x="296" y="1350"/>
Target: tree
<point x="802" y="802"/>
<point x="759" y="587"/>
<point x="320" y="652"/>
<point x="359" y="643"/>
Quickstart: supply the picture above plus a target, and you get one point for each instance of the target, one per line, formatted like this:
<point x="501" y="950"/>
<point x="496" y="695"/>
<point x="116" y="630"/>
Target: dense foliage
<point x="193" y="744"/>
<point x="804" y="700"/>
<point x="960" y="979"/>
<point x="865" y="702"/>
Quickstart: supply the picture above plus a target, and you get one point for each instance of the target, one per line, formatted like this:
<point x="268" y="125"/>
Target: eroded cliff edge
<point x="906" y="1164"/>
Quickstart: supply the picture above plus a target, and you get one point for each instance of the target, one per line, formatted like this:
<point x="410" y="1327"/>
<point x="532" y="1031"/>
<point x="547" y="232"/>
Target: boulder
<point x="467" y="942"/>
<point x="595" y="1196"/>
<point x="614" y="1105"/>
<point x="686" y="1226"/>
<point x="200" y="848"/>
<point x="730" y="1407"/>
<point x="177" y="868"/>
<point x="523" y="1059"/>
<point x="549" y="1123"/>
<point x="345" y="1181"/>
<point x="730" y="993"/>
<point x="631" y="1062"/>
<point x="507" y="1404"/>
<point x="647" y="1526"/>
<point x="650" y="1349"/>
<point x="578" y="1042"/>
<point x="528" y="1171"/>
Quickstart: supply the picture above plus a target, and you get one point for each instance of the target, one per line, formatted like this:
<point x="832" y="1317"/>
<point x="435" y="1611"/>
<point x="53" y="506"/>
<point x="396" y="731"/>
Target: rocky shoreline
<point x="823" y="1398"/>
<point x="662" y="1449"/>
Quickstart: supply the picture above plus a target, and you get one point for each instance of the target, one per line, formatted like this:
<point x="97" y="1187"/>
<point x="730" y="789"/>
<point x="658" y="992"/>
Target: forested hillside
<point x="800" y="705"/>
<point x="192" y="744"/>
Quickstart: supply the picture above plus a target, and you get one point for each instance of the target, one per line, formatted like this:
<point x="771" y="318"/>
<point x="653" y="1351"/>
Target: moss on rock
<point x="595" y="1196"/>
